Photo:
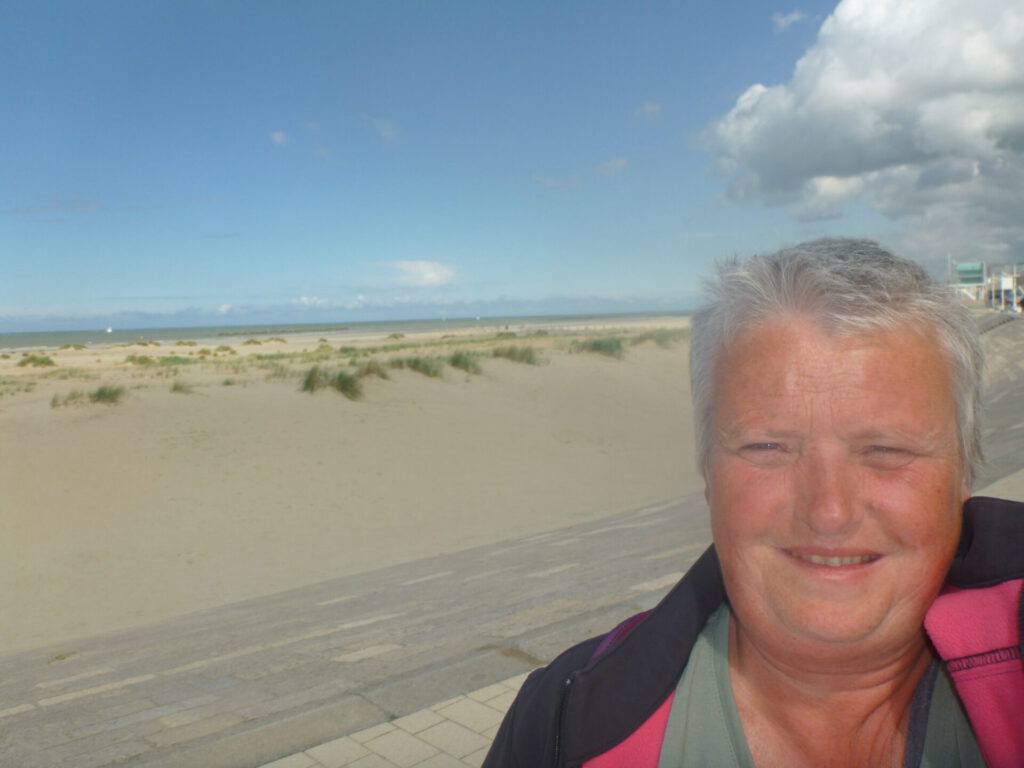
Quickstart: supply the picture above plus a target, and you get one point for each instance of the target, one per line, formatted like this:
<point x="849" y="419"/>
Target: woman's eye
<point x="767" y="454"/>
<point x="887" y="456"/>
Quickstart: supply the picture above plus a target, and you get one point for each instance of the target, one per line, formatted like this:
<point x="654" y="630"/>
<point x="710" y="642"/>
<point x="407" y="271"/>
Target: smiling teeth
<point x="835" y="562"/>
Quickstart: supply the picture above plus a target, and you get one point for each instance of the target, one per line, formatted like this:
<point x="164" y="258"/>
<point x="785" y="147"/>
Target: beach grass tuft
<point x="610" y="346"/>
<point x="173" y="360"/>
<point x="36" y="361"/>
<point x="275" y="370"/>
<point x="72" y="397"/>
<point x="181" y="388"/>
<point x="663" y="337"/>
<point x="348" y="384"/>
<point x="251" y="342"/>
<point x="108" y="394"/>
<point x="526" y="355"/>
<point x="316" y="378"/>
<point x="372" y="367"/>
<point x="428" y="366"/>
<point x="466" y="361"/>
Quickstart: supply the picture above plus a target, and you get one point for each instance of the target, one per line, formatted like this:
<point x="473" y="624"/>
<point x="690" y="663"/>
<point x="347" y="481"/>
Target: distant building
<point x="999" y="286"/>
<point x="1006" y="287"/>
<point x="970" y="278"/>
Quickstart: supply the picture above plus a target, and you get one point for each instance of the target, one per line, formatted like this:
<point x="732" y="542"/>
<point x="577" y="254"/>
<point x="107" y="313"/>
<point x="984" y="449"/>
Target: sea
<point x="105" y="337"/>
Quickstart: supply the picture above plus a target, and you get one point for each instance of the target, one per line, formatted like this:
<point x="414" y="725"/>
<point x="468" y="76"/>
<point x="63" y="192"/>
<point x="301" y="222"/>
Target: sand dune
<point x="171" y="502"/>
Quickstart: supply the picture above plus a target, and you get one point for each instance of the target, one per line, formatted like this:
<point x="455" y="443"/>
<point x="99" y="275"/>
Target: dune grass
<point x="372" y="367"/>
<point x="663" y="337"/>
<point x="466" y="361"/>
<point x="108" y="394"/>
<point x="72" y="397"/>
<point x="428" y="366"/>
<point x="181" y="388"/>
<point x="348" y="384"/>
<point x="316" y="378"/>
<point x="275" y="370"/>
<point x="36" y="361"/>
<point x="610" y="346"/>
<point x="527" y="355"/>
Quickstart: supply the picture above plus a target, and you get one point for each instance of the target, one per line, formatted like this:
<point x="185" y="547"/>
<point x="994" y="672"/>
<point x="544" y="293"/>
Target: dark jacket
<point x="584" y="703"/>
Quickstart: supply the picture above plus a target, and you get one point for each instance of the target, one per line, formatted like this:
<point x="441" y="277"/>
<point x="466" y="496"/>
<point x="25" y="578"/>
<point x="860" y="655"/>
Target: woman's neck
<point x="826" y="708"/>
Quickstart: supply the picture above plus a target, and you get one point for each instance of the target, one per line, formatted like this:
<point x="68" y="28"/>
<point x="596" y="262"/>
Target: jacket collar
<point x="616" y="693"/>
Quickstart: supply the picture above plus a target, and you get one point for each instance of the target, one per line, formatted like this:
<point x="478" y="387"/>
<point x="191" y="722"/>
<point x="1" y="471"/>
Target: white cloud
<point x="783" y="21"/>
<point x="386" y="129"/>
<point x="279" y="137"/>
<point x="424" y="274"/>
<point x="916" y="108"/>
<point x="614" y="166"/>
<point x="650" y="110"/>
<point x="311" y="301"/>
<point x="223" y="309"/>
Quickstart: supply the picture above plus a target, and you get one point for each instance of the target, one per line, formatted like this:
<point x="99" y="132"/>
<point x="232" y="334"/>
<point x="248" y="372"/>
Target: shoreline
<point x="97" y="338"/>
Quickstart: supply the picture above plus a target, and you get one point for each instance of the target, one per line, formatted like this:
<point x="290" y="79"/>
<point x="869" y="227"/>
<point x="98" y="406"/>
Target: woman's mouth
<point x="833" y="561"/>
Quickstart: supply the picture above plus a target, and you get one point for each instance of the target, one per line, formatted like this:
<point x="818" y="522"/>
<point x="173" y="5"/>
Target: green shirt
<point x="704" y="728"/>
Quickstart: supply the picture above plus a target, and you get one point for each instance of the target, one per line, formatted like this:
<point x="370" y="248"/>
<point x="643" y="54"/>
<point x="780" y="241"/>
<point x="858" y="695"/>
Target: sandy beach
<point x="214" y="478"/>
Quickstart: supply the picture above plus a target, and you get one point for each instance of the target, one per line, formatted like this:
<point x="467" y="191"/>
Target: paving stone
<point x="441" y="761"/>
<point x="476" y="759"/>
<point x="401" y="748"/>
<point x="447" y="702"/>
<point x="503" y="701"/>
<point x="453" y="738"/>
<point x="418" y="721"/>
<point x="372" y="733"/>
<point x="373" y="761"/>
<point x="488" y="693"/>
<point x="337" y="753"/>
<point x="292" y="761"/>
<point x="516" y="682"/>
<point x="472" y="714"/>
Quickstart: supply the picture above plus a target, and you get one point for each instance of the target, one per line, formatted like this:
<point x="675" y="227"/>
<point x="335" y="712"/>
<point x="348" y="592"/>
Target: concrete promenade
<point x="409" y="666"/>
<point x="247" y="684"/>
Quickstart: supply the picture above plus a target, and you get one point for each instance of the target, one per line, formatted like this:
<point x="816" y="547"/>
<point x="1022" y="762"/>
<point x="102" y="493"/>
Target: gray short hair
<point x="848" y="286"/>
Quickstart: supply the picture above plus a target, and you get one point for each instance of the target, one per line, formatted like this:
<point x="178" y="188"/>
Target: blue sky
<point x="178" y="163"/>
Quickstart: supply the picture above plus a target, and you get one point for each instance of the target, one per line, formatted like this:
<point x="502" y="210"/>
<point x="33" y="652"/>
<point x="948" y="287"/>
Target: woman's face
<point x="835" y="483"/>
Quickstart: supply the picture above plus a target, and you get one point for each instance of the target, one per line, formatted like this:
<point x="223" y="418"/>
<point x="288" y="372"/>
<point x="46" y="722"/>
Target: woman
<point x="853" y="611"/>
